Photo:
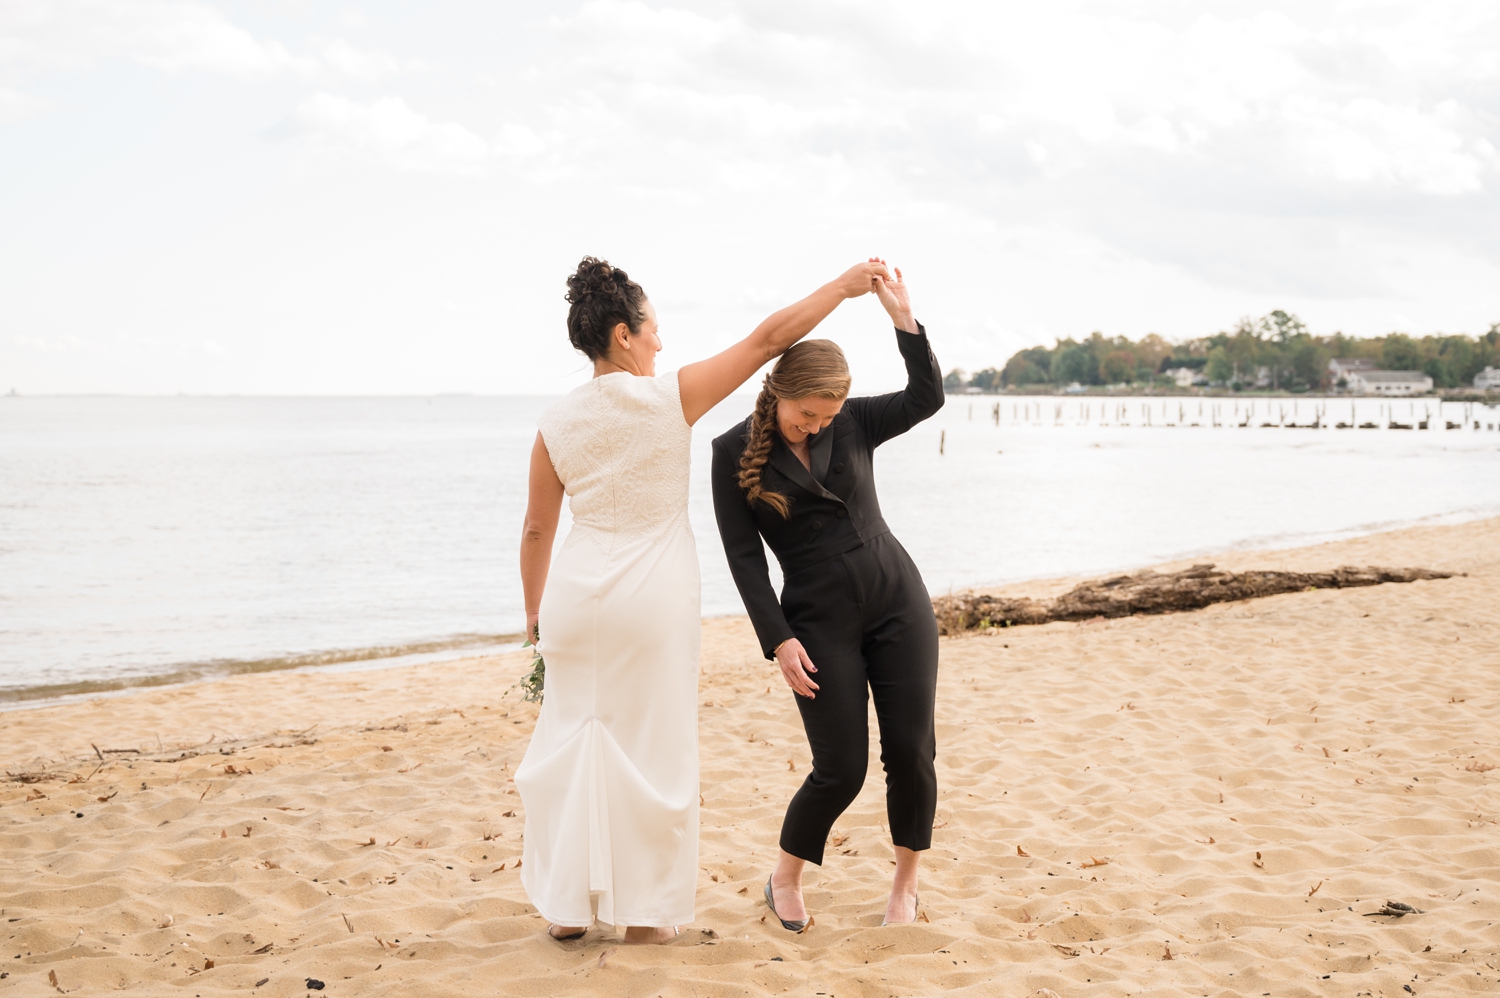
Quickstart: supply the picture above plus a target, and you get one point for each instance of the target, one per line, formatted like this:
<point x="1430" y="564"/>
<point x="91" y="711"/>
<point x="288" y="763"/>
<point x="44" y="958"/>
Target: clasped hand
<point x="875" y="277"/>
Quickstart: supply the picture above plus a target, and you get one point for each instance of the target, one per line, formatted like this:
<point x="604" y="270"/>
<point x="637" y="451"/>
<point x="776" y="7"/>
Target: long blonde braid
<point x="812" y="368"/>
<point x="758" y="450"/>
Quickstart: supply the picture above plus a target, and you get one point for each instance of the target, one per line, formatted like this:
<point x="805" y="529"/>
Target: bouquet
<point x="532" y="683"/>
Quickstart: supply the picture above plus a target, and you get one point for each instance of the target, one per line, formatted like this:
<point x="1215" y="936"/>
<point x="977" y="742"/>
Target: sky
<point x="298" y="197"/>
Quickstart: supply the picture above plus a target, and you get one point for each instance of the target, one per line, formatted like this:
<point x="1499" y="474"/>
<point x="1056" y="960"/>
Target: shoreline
<point x="332" y="660"/>
<point x="464" y="646"/>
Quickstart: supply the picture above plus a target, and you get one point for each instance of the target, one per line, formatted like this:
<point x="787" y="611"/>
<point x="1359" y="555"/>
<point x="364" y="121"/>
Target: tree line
<point x="1275" y="351"/>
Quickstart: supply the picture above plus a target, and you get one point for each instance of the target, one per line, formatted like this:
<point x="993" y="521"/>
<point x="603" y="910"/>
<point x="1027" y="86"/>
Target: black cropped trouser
<point x="866" y="621"/>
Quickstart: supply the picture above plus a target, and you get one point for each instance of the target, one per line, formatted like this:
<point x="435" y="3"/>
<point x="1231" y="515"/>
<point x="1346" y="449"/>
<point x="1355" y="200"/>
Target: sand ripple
<point x="1201" y="804"/>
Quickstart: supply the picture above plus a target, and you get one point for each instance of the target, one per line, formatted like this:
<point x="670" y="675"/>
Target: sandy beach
<point x="1207" y="803"/>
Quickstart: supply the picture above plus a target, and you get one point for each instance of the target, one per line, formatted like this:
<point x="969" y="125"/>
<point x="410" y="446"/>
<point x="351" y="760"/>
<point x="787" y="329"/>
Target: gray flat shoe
<point x="771" y="903"/>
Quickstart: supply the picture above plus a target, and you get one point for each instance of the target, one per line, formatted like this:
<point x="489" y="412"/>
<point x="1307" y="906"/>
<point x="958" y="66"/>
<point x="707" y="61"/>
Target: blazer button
<point x="842" y="513"/>
<point x="839" y="466"/>
<point x="817" y="524"/>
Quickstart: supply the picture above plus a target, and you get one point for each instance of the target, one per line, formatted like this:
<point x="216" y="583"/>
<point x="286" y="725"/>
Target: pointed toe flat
<point x="771" y="903"/>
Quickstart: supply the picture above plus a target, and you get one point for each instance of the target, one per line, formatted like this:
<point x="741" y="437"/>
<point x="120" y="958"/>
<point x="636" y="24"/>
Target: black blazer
<point x="827" y="519"/>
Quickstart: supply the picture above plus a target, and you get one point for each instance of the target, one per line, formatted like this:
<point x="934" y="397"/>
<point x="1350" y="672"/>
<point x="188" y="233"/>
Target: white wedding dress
<point x="610" y="780"/>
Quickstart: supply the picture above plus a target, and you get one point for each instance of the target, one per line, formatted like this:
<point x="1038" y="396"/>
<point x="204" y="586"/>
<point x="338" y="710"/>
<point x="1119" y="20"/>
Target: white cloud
<point x="1195" y="123"/>
<point x="388" y="128"/>
<point x="369" y="67"/>
<point x="1043" y="169"/>
<point x="1370" y="141"/>
<point x="15" y="105"/>
<point x="175" y="36"/>
<point x="61" y="344"/>
<point x="171" y="35"/>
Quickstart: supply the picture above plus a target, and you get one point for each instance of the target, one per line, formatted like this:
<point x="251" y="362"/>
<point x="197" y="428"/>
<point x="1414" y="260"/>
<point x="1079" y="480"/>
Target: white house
<point x="1487" y="380"/>
<point x="1187" y="377"/>
<point x="1344" y="367"/>
<point x="1389" y="382"/>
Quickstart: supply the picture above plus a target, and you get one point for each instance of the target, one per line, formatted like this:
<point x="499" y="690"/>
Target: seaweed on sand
<point x="1154" y="592"/>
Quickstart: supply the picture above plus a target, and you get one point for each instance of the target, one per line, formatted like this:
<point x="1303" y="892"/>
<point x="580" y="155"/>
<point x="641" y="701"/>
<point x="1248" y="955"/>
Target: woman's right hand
<point x="861" y="278"/>
<point x="532" y="627"/>
<point x="795" y="666"/>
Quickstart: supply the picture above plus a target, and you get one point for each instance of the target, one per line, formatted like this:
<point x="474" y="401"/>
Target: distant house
<point x="1187" y="377"/>
<point x="1487" y="380"/>
<point x="1342" y="368"/>
<point x="1388" y="382"/>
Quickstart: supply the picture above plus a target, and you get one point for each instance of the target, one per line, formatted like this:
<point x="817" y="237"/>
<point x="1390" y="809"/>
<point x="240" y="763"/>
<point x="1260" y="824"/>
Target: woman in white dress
<point x="610" y="779"/>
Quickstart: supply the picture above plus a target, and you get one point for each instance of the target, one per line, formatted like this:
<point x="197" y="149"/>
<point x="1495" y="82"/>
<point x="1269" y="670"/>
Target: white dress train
<point x="610" y="779"/>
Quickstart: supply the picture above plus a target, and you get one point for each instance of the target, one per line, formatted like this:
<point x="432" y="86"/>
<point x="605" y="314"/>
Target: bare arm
<point x="543" y="507"/>
<point x="708" y="382"/>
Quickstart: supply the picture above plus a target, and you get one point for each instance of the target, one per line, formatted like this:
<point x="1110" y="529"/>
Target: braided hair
<point x="812" y="368"/>
<point x="601" y="297"/>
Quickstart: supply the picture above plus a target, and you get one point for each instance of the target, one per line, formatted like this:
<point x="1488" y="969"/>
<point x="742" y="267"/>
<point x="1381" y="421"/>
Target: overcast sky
<point x="286" y="196"/>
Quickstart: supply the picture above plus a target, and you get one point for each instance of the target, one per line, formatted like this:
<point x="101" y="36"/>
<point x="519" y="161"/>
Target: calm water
<point x="180" y="537"/>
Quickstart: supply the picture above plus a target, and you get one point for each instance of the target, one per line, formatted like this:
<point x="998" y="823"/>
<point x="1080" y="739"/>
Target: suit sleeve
<point x="745" y="552"/>
<point x="884" y="416"/>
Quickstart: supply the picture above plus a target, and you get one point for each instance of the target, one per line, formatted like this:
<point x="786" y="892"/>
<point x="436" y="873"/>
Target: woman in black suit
<point x="853" y="611"/>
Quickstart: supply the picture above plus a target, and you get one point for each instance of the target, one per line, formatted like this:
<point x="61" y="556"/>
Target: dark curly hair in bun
<point x="601" y="297"/>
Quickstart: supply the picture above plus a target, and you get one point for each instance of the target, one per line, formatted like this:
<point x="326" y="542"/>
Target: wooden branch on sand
<point x="1154" y="592"/>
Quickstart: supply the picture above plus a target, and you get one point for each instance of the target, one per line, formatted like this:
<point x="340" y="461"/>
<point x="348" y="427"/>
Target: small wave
<point x="376" y="657"/>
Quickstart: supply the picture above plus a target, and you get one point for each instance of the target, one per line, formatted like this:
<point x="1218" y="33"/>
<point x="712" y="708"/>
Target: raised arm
<point x="543" y="508"/>
<point x="885" y="416"/>
<point x="708" y="382"/>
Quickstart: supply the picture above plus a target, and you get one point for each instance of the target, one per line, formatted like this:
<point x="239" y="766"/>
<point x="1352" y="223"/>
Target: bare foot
<point x="645" y="935"/>
<point x="562" y="933"/>
<point x="902" y="908"/>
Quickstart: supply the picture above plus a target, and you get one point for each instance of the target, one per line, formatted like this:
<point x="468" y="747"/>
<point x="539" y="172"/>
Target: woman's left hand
<point x="897" y="300"/>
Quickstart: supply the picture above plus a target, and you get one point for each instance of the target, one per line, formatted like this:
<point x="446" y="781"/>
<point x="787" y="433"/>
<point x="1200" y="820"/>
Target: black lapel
<point x="784" y="461"/>
<point x="821" y="451"/>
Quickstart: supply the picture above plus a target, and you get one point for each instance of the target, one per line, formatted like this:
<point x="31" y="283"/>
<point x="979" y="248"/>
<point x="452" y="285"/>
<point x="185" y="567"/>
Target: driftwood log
<point x="1154" y="592"/>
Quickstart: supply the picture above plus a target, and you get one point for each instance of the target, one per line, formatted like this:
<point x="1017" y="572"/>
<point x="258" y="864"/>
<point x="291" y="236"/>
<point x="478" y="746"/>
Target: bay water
<point x="166" y="539"/>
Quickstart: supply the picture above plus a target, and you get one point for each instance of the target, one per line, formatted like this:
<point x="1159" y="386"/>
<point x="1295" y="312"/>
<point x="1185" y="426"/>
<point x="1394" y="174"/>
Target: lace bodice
<point x="622" y="449"/>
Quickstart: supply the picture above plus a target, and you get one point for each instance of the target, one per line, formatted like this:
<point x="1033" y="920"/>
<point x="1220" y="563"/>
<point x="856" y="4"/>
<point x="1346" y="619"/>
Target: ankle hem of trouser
<point x="813" y="856"/>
